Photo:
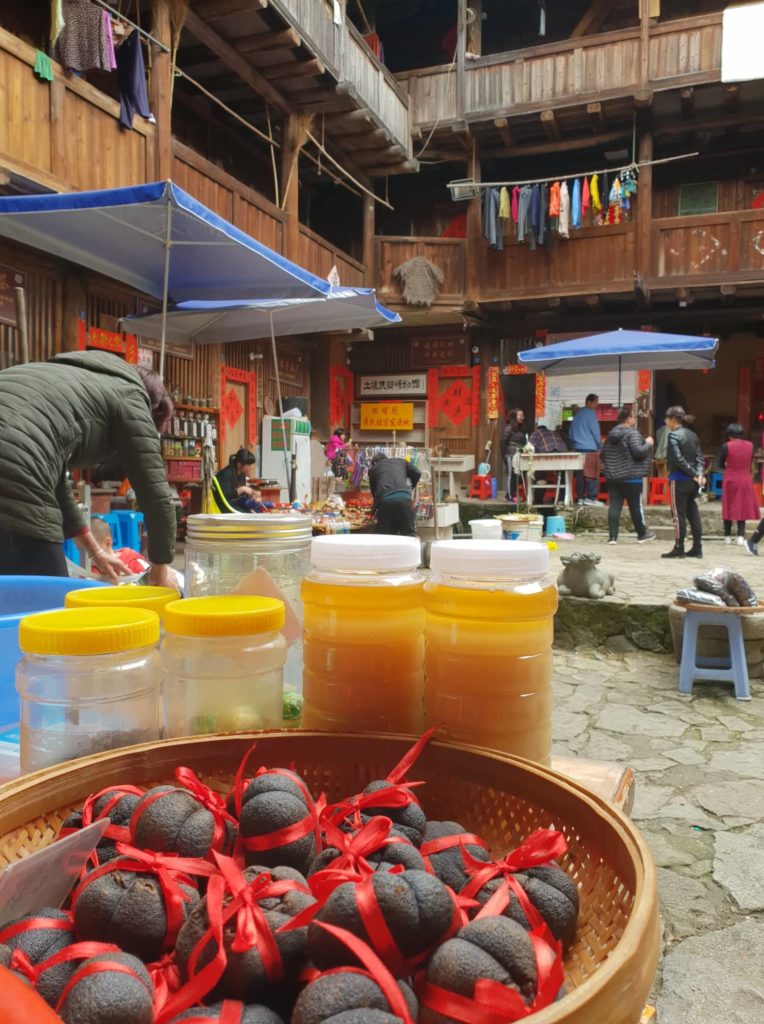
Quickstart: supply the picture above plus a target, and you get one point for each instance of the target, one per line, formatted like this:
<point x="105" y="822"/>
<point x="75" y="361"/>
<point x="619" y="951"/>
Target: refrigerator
<point x="287" y="443"/>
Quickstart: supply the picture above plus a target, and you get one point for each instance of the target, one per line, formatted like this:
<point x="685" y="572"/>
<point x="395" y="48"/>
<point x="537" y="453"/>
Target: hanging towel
<point x="515" y="203"/>
<point x="83" y="44"/>
<point x="586" y="198"/>
<point x="595" y="193"/>
<point x="504" y="210"/>
<point x="56" y="21"/>
<point x="131" y="80"/>
<point x="564" y="227"/>
<point x="575" y="205"/>
<point x="43" y="66"/>
<point x="109" y="39"/>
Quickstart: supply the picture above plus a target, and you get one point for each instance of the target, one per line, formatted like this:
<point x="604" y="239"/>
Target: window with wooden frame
<point x="701" y="197"/>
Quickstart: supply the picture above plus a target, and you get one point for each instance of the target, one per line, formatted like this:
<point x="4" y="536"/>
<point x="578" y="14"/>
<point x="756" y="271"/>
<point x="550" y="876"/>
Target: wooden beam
<point x="404" y="167"/>
<point x="644" y="42"/>
<point x="391" y="155"/>
<point x="550" y="126"/>
<point x="732" y="98"/>
<point x="644" y="214"/>
<point x="643" y="98"/>
<point x="596" y="118"/>
<point x="461" y="48"/>
<point x="367" y="239"/>
<point x="160" y="86"/>
<point x="295" y="69"/>
<point x="287" y="39"/>
<point x="462" y="132"/>
<point x="289" y="186"/>
<point x="371" y="140"/>
<point x="687" y="97"/>
<point x="591" y="19"/>
<point x="684" y="296"/>
<point x="211" y="9"/>
<point x="710" y="124"/>
<point x="234" y="60"/>
<point x="593" y="301"/>
<point x="474" y="245"/>
<point x="501" y="124"/>
<point x="352" y="120"/>
<point x="568" y="145"/>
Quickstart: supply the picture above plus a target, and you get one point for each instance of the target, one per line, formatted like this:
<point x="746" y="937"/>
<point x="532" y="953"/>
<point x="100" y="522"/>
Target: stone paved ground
<point x="699" y="764"/>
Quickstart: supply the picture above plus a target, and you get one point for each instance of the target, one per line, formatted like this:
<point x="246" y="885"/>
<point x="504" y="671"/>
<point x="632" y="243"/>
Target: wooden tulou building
<point x="331" y="130"/>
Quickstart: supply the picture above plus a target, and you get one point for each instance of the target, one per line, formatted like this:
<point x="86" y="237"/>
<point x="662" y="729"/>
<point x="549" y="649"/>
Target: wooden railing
<point x="448" y="254"/>
<point x="319" y="256"/>
<point x="713" y="248"/>
<point x="351" y="63"/>
<point x="65" y="134"/>
<point x="683" y="52"/>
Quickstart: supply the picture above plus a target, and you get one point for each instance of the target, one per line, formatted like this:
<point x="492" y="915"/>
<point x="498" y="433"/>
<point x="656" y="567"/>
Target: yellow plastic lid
<point x="224" y="616"/>
<point x="129" y="596"/>
<point x="76" y="631"/>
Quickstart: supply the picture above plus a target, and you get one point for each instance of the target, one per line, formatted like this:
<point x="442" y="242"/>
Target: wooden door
<point x="453" y="393"/>
<point x="238" y="411"/>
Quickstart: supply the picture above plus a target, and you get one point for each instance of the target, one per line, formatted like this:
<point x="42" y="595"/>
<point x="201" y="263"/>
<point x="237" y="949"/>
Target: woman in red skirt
<point x="738" y="498"/>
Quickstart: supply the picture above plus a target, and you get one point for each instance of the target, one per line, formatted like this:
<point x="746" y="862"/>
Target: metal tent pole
<point x="290" y="467"/>
<point x="165" y="287"/>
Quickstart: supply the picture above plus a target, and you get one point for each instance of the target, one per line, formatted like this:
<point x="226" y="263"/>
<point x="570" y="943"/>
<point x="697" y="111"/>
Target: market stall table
<point x="453" y="464"/>
<point x="563" y="464"/>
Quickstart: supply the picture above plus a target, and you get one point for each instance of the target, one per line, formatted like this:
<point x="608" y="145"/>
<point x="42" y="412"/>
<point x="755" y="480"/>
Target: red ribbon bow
<point x="165" y="977"/>
<point x="537" y="850"/>
<point x="208" y="798"/>
<point x="169" y="869"/>
<point x="21" y="963"/>
<point x="492" y="1002"/>
<point x="252" y="931"/>
<point x="463" y="839"/>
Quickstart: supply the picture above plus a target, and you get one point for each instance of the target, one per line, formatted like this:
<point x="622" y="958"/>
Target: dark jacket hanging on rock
<point x="74" y="412"/>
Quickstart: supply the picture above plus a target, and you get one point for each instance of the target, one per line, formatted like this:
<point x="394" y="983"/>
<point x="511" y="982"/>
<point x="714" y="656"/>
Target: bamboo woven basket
<point x="609" y="970"/>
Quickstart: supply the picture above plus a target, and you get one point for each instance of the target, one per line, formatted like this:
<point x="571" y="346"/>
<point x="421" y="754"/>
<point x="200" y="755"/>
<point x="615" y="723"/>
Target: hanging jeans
<point x="618" y="492"/>
<point x="684" y="508"/>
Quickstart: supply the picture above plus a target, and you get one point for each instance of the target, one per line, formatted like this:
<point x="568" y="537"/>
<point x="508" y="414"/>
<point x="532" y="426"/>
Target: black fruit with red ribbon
<point x="228" y="1012"/>
<point x="110" y="987"/>
<point x="442" y="850"/>
<point x="278" y="820"/>
<point x="402" y="916"/>
<point x="231" y="946"/>
<point x="376" y="846"/>
<point x="190" y="821"/>
<point x="492" y="972"/>
<point x="39" y="937"/>
<point x="140" y="900"/>
<point x="116" y="803"/>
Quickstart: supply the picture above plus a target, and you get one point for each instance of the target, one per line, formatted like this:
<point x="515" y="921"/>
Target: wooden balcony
<point x="570" y="73"/>
<point x="709" y="250"/>
<point x="65" y="134"/>
<point x="448" y="254"/>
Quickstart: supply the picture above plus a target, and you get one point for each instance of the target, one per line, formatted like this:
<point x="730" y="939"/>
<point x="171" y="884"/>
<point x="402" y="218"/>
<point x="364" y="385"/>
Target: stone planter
<point x="712" y="640"/>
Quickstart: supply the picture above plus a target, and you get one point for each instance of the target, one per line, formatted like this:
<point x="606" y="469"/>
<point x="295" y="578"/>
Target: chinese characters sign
<point x="10" y="280"/>
<point x="387" y="416"/>
<point x="427" y="352"/>
<point x="494" y="390"/>
<point x="393" y="384"/>
<point x="107" y="341"/>
<point x="290" y="369"/>
<point x="340" y="396"/>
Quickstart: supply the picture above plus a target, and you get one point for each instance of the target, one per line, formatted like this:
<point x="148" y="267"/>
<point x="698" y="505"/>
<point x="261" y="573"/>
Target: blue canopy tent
<point x="157" y="239"/>
<point x="622" y="350"/>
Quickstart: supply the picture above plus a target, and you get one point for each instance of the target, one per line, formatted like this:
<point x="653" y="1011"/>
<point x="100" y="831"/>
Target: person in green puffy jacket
<point x="71" y="413"/>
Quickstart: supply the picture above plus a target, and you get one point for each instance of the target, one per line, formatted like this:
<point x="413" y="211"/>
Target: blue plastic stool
<point x="733" y="669"/>
<point x="715" y="484"/>
<point x="72" y="552"/>
<point x="129" y="528"/>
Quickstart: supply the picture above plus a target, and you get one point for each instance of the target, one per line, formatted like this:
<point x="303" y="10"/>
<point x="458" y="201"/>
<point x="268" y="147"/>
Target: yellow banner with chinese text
<point x="387" y="416"/>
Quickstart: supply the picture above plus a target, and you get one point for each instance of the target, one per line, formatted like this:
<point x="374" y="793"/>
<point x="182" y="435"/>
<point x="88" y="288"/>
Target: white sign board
<point x="573" y="389"/>
<point x="743" y="43"/>
<point x="393" y="384"/>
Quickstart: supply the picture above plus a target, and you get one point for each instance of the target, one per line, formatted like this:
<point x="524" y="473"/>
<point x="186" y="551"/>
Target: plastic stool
<point x="129" y="528"/>
<point x="727" y="670"/>
<point x="72" y="552"/>
<point x="715" y="484"/>
<point x="660" y="491"/>
<point x="603" y="492"/>
<point x="480" y="487"/>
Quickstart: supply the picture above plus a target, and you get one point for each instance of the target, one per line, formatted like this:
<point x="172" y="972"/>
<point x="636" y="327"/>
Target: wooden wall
<point x="43" y="291"/>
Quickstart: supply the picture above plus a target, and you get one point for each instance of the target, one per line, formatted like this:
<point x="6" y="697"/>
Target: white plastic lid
<point x="490" y="559"/>
<point x="365" y="553"/>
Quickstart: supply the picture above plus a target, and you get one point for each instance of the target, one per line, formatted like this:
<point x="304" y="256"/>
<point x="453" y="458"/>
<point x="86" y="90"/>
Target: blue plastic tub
<point x="21" y="596"/>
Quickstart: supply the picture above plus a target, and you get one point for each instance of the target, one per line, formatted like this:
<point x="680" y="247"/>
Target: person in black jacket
<point x="686" y="467"/>
<point x="393" y="483"/>
<point x="513" y="438"/>
<point x="233" y="481"/>
<point x="626" y="458"/>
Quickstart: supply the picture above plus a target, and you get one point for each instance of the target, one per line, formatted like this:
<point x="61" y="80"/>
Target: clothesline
<point x="632" y="165"/>
<point x="142" y="31"/>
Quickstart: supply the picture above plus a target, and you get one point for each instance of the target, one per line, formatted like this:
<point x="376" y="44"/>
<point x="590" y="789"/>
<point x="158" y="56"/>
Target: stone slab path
<point x="699" y="764"/>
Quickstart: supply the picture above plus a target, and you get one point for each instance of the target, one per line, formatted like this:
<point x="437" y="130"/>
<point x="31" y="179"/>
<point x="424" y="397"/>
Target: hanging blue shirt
<point x="575" y="205"/>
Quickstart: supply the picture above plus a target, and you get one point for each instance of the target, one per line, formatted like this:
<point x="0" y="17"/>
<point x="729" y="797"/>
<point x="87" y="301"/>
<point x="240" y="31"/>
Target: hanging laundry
<point x="106" y="19"/>
<point x="131" y="80"/>
<point x="544" y="215"/>
<point x="586" y="198"/>
<point x="575" y="205"/>
<point x="535" y="216"/>
<point x="421" y="281"/>
<point x="564" y="225"/>
<point x="504" y="210"/>
<point x="516" y="203"/>
<point x="628" y="186"/>
<point x="595" y="193"/>
<point x="604" y="195"/>
<point x="554" y="206"/>
<point x="43" y="66"/>
<point x="84" y="44"/>
<point x="56" y="21"/>
<point x="524" y="214"/>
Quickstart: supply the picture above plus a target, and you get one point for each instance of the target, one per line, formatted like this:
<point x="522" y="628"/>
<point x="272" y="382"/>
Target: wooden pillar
<point x="368" y="255"/>
<point x="160" y="90"/>
<point x="74" y="308"/>
<point x="645" y="210"/>
<point x="290" y="188"/>
<point x="461" y="46"/>
<point x="475" y="244"/>
<point x="644" y="44"/>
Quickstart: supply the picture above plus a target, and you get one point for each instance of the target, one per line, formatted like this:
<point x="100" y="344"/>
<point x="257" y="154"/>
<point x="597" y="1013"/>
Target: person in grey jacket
<point x="626" y="458"/>
<point x="686" y="467"/>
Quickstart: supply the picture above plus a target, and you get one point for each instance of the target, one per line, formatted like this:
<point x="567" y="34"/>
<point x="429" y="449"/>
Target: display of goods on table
<point x="310" y="877"/>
